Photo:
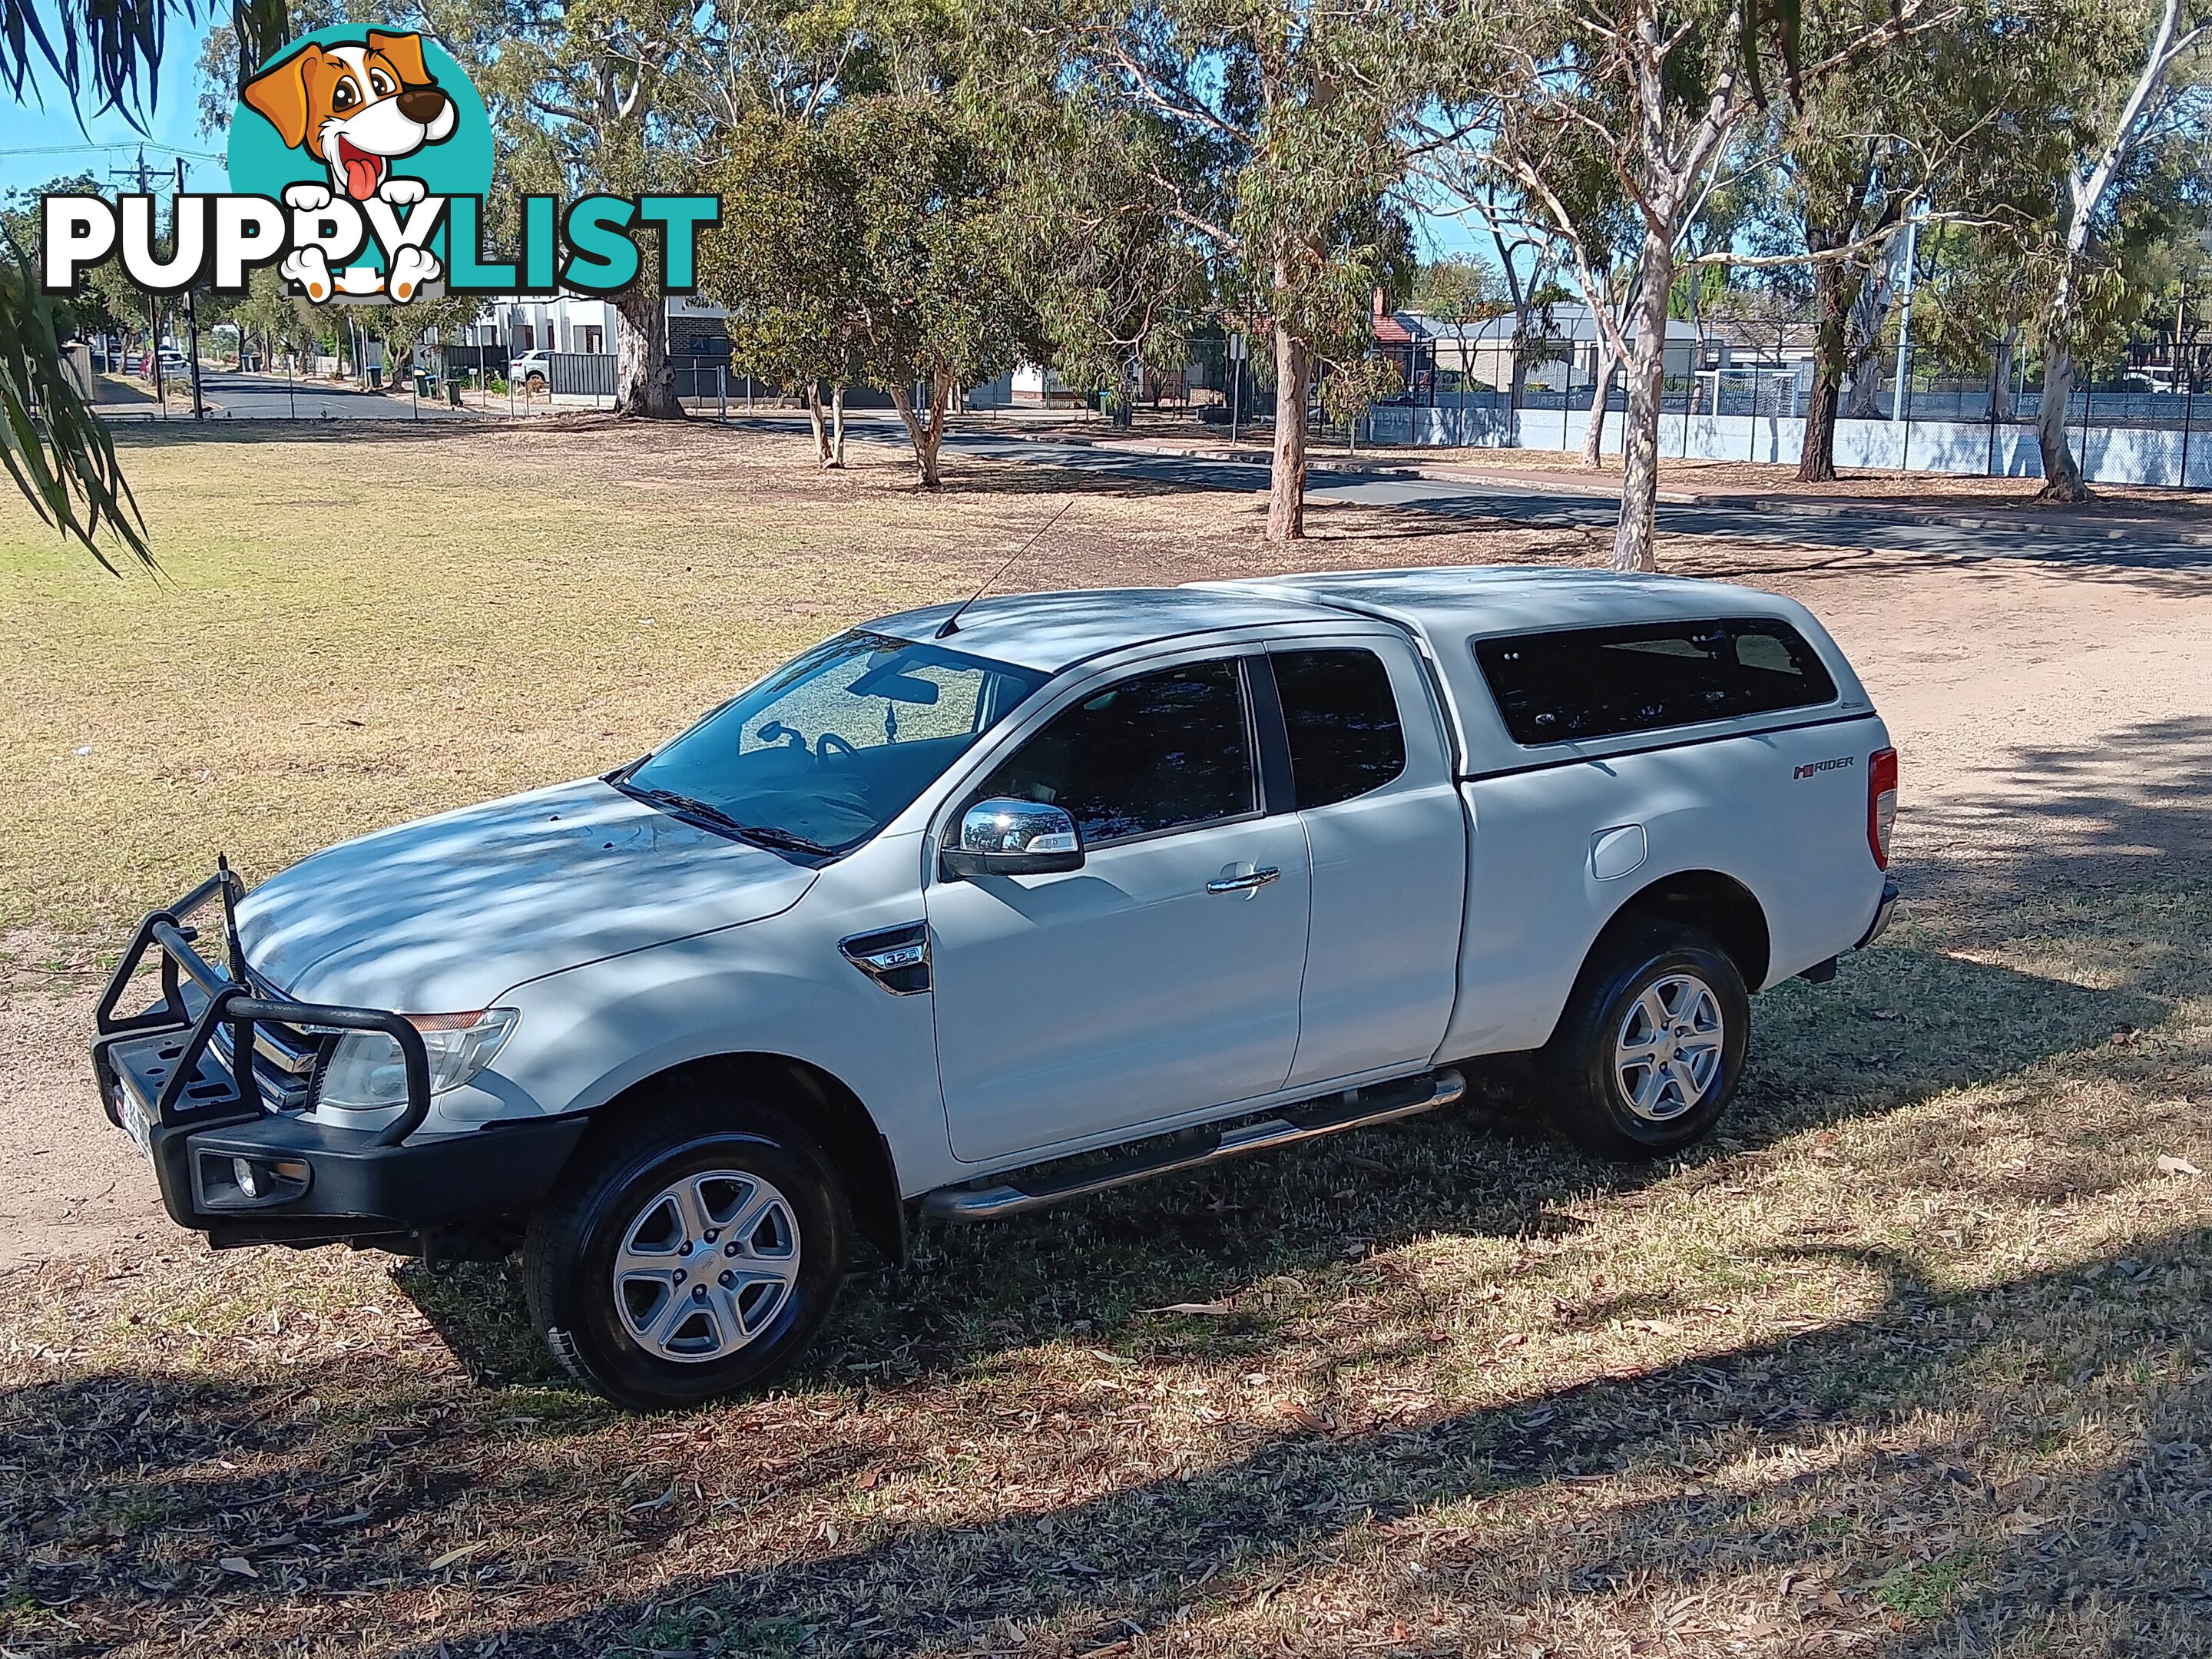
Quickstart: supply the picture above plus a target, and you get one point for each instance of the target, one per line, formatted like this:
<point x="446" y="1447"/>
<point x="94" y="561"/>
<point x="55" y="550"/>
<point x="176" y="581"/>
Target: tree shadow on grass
<point x="1914" y="1016"/>
<point x="125" y="1488"/>
<point x="1850" y="1460"/>
<point x="1951" y="1470"/>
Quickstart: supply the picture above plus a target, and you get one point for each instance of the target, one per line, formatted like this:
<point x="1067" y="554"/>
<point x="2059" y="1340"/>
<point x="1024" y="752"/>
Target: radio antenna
<point x="952" y="623"/>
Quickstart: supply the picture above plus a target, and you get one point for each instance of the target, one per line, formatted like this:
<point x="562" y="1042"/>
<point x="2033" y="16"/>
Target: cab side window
<point x="1345" y="736"/>
<point x="1166" y="751"/>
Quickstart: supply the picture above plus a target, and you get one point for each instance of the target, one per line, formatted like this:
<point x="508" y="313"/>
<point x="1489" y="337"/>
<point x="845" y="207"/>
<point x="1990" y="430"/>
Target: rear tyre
<point x="691" y="1251"/>
<point x="1651" y="1046"/>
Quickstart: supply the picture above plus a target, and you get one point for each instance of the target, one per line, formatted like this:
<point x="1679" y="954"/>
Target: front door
<point x="1160" y="978"/>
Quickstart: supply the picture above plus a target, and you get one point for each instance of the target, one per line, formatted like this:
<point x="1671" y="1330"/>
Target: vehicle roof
<point x="1053" y="631"/>
<point x="1478" y="600"/>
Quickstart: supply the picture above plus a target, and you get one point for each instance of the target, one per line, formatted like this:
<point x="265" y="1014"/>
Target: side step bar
<point x="1357" y="1109"/>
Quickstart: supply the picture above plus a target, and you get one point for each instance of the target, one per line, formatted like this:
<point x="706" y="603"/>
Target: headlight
<point x="367" y="1070"/>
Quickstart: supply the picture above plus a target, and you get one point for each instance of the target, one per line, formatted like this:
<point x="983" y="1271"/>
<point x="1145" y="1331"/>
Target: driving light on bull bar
<point x="365" y="1070"/>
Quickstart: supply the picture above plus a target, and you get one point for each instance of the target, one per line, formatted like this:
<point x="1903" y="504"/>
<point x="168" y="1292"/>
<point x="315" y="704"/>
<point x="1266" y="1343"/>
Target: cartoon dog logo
<point x="356" y="109"/>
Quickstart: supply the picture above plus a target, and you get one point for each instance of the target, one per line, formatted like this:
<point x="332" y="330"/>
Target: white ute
<point x="1161" y="875"/>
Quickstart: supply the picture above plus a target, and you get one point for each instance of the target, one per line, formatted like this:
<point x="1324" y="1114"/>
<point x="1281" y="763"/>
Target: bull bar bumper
<point x="232" y="1165"/>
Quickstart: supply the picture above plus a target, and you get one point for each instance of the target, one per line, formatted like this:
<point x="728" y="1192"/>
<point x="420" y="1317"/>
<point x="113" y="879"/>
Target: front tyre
<point x="1651" y="1046"/>
<point x="689" y="1253"/>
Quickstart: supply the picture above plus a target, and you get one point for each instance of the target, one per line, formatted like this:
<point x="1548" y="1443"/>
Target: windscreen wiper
<point x="760" y="834"/>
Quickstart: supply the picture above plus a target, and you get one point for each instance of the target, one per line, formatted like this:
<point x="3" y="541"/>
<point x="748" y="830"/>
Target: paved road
<point x="258" y="398"/>
<point x="1532" y="505"/>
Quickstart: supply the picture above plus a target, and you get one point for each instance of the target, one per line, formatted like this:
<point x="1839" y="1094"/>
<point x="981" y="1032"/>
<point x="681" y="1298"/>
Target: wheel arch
<point x="824" y="1105"/>
<point x="1719" y="906"/>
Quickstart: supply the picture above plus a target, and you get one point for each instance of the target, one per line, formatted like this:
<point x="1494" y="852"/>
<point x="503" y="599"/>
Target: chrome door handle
<point x="1259" y="877"/>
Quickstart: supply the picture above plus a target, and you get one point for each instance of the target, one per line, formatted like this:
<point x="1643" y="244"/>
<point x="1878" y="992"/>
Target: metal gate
<point x="581" y="373"/>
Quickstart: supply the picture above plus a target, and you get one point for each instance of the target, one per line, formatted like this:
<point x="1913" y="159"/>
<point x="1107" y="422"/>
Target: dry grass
<point x="1917" y="1361"/>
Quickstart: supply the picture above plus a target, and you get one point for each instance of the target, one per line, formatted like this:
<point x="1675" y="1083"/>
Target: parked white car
<point x="954" y="897"/>
<point x="532" y="370"/>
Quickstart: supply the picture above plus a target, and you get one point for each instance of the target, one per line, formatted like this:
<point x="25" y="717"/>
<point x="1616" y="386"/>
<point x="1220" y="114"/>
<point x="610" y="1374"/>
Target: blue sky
<point x="37" y="143"/>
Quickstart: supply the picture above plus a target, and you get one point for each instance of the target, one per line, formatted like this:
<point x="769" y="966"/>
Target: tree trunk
<point x="815" y="419"/>
<point x="926" y="435"/>
<point x="1816" y="460"/>
<point x="645" y="387"/>
<point x="1862" y="397"/>
<point x="2061" y="474"/>
<point x="1600" y="397"/>
<point x="2001" y="407"/>
<point x="1286" y="478"/>
<point x="1632" y="547"/>
<point x="1517" y="386"/>
<point x="837" y="425"/>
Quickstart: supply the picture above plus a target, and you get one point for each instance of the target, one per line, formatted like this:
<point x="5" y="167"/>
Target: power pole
<point x="153" y="307"/>
<point x="1905" y="309"/>
<point x="191" y="312"/>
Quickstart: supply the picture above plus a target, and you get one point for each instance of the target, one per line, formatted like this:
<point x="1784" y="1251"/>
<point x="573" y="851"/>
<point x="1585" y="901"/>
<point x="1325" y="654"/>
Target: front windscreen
<point x="838" y="742"/>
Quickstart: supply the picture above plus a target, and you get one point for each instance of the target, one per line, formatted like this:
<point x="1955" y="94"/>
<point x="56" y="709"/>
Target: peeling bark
<point x="928" y="435"/>
<point x="1633" y="542"/>
<point x="2062" y="473"/>
<point x="1600" y="399"/>
<point x="1286" y="481"/>
<point x="645" y="385"/>
<point x="814" y="417"/>
<point x="2001" y="404"/>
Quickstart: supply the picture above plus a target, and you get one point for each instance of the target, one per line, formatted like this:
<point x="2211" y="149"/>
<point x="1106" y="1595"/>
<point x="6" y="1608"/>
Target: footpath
<point x="2116" y="520"/>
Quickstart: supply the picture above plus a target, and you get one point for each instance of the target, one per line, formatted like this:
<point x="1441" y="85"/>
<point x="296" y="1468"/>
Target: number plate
<point x="134" y="1120"/>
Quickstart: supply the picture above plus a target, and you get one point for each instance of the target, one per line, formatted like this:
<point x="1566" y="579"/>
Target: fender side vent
<point x="897" y="958"/>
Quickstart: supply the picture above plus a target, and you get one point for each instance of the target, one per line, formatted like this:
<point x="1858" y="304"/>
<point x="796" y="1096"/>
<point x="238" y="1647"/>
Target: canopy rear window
<point x="1588" y="683"/>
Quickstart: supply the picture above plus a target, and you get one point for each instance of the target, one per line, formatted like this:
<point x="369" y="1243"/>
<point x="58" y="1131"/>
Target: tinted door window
<point x="1162" y="751"/>
<point x="1343" y="721"/>
<point x="1603" y="681"/>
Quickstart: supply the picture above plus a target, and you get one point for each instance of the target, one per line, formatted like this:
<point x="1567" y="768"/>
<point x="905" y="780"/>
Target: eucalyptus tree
<point x="1463" y="297"/>
<point x="1663" y="92"/>
<point x="1287" y="130"/>
<point x="2132" y="99"/>
<point x="1108" y="280"/>
<point x="786" y="263"/>
<point x="1943" y="126"/>
<point x="590" y="96"/>
<point x="1527" y="264"/>
<point x="106" y="55"/>
<point x="1552" y="184"/>
<point x="867" y="245"/>
<point x="936" y="309"/>
<point x="868" y="233"/>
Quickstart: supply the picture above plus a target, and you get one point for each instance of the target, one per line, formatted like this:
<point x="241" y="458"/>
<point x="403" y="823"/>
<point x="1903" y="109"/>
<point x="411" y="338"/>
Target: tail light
<point x="1882" y="803"/>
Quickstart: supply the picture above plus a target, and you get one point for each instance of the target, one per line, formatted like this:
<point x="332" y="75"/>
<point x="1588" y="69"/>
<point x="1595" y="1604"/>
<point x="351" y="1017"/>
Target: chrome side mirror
<point x="1006" y="837"/>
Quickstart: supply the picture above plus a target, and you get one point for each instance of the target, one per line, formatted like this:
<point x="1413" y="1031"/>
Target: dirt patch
<point x="69" y="1183"/>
